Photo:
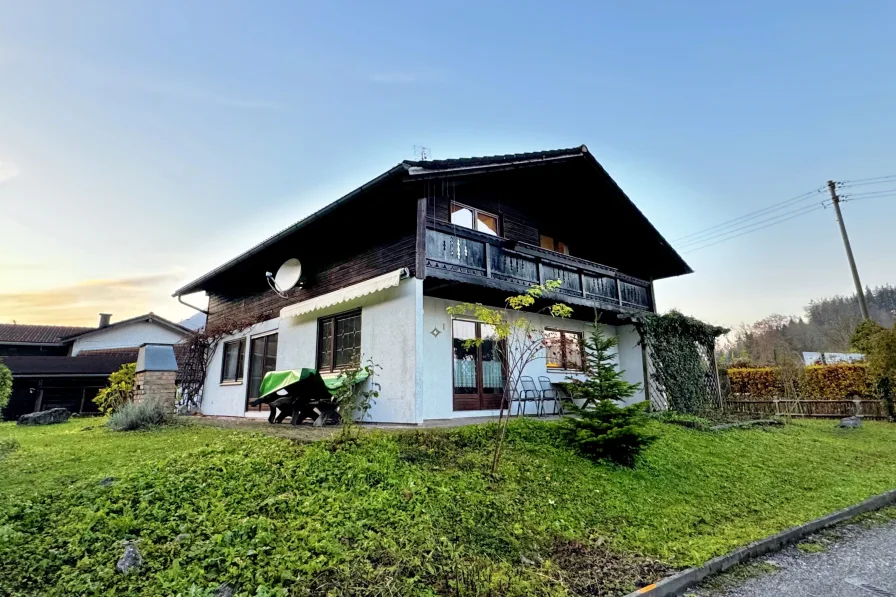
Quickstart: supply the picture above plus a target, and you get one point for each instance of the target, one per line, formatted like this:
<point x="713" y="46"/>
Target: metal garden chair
<point x="528" y="393"/>
<point x="549" y="392"/>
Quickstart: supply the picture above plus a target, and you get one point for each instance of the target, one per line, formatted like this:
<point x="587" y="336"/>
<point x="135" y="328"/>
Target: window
<point x="262" y="358"/>
<point x="338" y="341"/>
<point x="472" y="218"/>
<point x="563" y="349"/>
<point x="232" y="367"/>
<point x="548" y="242"/>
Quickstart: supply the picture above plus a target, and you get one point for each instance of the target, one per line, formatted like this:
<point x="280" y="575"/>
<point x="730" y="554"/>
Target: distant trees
<point x="828" y="326"/>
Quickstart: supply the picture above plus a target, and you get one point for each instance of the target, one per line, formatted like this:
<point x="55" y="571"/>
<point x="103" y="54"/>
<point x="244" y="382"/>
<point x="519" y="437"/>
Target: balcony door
<point x="478" y="370"/>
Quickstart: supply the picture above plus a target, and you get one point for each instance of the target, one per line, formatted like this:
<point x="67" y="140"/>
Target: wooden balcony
<point x="463" y="255"/>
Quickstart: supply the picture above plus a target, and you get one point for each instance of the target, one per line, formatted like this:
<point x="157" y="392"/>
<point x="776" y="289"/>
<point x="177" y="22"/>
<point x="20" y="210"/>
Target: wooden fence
<point x="831" y="409"/>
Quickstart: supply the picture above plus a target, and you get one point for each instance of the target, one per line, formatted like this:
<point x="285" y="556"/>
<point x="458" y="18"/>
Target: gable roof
<point x="420" y="169"/>
<point x="148" y="317"/>
<point x="38" y="334"/>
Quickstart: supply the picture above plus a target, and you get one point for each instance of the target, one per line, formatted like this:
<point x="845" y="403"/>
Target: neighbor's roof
<point x="65" y="366"/>
<point x="421" y="169"/>
<point x="148" y="317"/>
<point x="38" y="334"/>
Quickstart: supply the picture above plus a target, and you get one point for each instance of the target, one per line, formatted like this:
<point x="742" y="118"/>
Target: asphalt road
<point x="856" y="561"/>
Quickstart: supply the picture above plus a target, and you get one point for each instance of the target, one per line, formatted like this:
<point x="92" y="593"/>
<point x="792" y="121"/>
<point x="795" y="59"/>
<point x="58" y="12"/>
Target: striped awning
<point x="343" y="295"/>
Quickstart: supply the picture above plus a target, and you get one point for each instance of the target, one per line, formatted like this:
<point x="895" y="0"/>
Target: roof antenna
<point x="421" y="153"/>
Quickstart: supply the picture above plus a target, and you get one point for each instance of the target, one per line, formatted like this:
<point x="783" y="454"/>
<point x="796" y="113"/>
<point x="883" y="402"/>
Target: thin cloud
<point x="78" y="304"/>
<point x="8" y="171"/>
<point x="201" y="95"/>
<point x="393" y="78"/>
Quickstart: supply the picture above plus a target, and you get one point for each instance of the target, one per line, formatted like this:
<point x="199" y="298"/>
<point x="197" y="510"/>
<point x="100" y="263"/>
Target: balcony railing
<point x="464" y="255"/>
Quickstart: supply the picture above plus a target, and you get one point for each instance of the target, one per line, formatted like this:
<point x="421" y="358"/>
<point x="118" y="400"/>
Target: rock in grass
<point x="225" y="590"/>
<point x="107" y="481"/>
<point x="45" y="417"/>
<point x="851" y="423"/>
<point x="131" y="560"/>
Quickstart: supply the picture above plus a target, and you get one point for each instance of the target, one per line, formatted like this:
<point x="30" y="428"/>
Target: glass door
<point x="262" y="358"/>
<point x="478" y="370"/>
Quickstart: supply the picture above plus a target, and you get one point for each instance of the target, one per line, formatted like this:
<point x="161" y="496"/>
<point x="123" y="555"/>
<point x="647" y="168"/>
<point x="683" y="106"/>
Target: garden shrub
<point x="5" y="385"/>
<point x="837" y="382"/>
<point x="139" y="415"/>
<point x="119" y="391"/>
<point x="608" y="432"/>
<point x="828" y="382"/>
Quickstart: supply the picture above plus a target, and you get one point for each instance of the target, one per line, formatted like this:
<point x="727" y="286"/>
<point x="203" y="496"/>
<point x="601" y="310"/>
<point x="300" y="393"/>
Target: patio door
<point x="262" y="358"/>
<point x="478" y="370"/>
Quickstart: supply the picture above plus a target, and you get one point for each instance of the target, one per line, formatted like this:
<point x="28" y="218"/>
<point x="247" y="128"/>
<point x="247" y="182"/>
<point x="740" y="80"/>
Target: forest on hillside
<point x="827" y="325"/>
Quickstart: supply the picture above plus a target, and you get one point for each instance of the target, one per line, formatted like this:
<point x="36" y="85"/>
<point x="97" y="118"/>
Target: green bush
<point x="5" y="384"/>
<point x="119" y="391"/>
<point x="608" y="432"/>
<point x="139" y="415"/>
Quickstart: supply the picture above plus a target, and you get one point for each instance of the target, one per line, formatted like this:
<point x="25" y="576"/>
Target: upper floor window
<point x="563" y="349"/>
<point x="548" y="242"/>
<point x="339" y="341"/>
<point x="232" y="366"/>
<point x="474" y="219"/>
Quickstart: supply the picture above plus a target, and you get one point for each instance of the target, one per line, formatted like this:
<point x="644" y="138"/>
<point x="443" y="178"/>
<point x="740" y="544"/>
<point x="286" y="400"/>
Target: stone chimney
<point x="105" y="319"/>
<point x="155" y="374"/>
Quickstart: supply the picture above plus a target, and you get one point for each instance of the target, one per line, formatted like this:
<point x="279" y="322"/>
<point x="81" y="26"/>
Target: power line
<point x="849" y="185"/>
<point x="865" y="180"/>
<point x="850" y="199"/>
<point x="717" y="235"/>
<point x="750" y="216"/>
<point x="802" y="213"/>
<point x="867" y="193"/>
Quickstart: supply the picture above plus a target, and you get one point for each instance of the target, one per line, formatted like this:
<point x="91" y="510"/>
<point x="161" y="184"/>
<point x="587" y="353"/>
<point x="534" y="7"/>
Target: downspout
<point x="181" y="301"/>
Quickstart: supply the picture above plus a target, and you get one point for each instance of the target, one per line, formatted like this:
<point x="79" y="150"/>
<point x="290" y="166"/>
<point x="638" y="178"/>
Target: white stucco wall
<point x="436" y="401"/>
<point x="388" y="336"/>
<point x="389" y="333"/>
<point x="127" y="336"/>
<point x="631" y="359"/>
<point x="229" y="399"/>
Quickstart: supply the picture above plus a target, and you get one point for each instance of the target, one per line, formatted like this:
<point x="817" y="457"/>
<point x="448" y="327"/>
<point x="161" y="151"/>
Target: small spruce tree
<point x="601" y="429"/>
<point x="602" y="380"/>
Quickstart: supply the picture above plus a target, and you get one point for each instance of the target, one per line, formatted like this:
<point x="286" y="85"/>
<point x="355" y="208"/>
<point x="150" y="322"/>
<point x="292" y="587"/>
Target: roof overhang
<point x="197" y="284"/>
<point x="345" y="295"/>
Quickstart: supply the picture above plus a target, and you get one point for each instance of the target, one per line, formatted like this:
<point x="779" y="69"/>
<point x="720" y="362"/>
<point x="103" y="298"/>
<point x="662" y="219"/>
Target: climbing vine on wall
<point x="682" y="365"/>
<point x="199" y="349"/>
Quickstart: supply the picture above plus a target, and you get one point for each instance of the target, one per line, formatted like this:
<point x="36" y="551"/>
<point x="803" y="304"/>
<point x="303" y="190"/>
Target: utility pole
<point x="832" y="187"/>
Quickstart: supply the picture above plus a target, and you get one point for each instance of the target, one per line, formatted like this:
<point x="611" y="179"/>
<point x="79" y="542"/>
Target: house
<point x="380" y="266"/>
<point x="62" y="366"/>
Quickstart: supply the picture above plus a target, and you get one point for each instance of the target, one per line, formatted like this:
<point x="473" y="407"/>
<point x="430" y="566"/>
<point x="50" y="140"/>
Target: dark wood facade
<point x="402" y="219"/>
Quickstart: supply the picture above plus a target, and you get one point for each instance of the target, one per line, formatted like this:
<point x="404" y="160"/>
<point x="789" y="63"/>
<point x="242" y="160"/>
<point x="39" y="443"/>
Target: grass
<point x="410" y="513"/>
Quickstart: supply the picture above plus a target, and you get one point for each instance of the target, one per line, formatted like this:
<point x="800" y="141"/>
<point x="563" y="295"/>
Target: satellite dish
<point x="287" y="276"/>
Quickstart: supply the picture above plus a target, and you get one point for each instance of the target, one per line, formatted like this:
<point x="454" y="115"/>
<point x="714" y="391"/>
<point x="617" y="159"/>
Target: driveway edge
<point x="672" y="586"/>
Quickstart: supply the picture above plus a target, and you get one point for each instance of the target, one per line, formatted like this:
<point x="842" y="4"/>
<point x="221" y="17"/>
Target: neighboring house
<point x="381" y="265"/>
<point x="66" y="366"/>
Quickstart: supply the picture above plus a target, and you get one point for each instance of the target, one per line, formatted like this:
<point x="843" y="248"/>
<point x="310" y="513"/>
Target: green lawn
<point x="405" y="513"/>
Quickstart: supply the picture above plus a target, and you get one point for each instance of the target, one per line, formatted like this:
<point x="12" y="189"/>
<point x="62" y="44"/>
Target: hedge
<point x="831" y="382"/>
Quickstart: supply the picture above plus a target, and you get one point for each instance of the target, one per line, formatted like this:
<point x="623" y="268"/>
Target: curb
<point x="672" y="586"/>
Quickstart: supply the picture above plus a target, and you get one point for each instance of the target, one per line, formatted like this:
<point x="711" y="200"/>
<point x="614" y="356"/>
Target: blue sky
<point x="142" y="144"/>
